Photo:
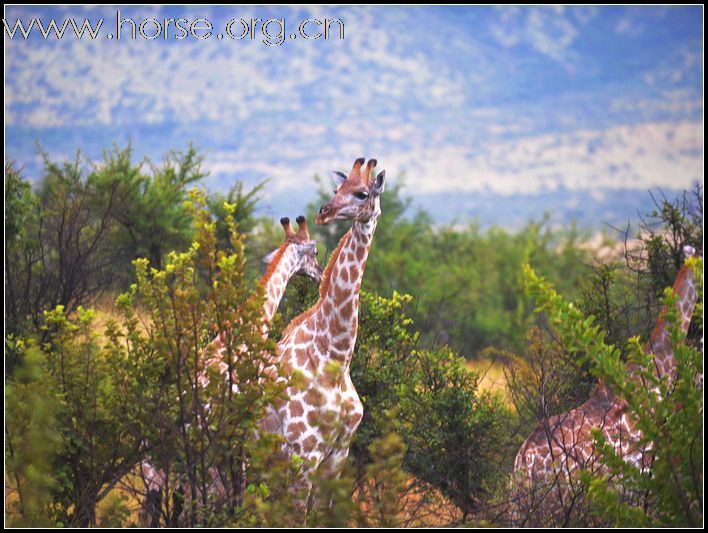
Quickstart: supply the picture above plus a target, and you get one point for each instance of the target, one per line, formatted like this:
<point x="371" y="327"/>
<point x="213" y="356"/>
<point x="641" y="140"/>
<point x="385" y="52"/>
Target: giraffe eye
<point x="361" y="195"/>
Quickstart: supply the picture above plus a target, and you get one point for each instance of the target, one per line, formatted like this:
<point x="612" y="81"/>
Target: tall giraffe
<point x="296" y="255"/>
<point x="324" y="410"/>
<point x="545" y="464"/>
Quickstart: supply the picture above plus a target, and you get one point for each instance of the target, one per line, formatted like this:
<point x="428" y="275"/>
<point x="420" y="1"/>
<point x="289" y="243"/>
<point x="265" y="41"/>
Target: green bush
<point x="87" y="415"/>
<point x="456" y="437"/>
<point x="667" y="411"/>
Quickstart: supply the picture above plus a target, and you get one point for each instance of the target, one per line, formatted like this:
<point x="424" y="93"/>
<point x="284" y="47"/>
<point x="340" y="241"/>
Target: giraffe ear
<point x="688" y="251"/>
<point x="269" y="258"/>
<point x="379" y="183"/>
<point x="339" y="178"/>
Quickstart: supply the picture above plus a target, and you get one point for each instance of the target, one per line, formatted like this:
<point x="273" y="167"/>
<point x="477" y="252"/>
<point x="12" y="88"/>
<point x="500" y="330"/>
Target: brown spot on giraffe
<point x="315" y="398"/>
<point x="303" y="359"/>
<point x="346" y="310"/>
<point x="322" y="343"/>
<point x="295" y="430"/>
<point x="308" y="445"/>
<point x="296" y="409"/>
<point x="353" y="420"/>
<point x="337" y="327"/>
<point x="341" y="294"/>
<point x="337" y="357"/>
<point x="313" y="417"/>
<point x="286" y="367"/>
<point x="342" y="344"/>
<point x="278" y="403"/>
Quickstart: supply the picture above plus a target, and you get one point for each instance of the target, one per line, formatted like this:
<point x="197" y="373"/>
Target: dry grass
<point x="419" y="505"/>
<point x="491" y="376"/>
<point x="106" y="310"/>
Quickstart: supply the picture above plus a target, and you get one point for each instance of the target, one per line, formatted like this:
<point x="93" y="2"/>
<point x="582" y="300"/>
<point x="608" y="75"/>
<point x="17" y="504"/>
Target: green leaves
<point x="667" y="410"/>
<point x="32" y="438"/>
<point x="454" y="436"/>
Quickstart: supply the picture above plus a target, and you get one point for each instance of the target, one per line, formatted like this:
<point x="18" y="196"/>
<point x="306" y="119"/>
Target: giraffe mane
<point x="324" y="285"/>
<point x="327" y="274"/>
<point x="274" y="263"/>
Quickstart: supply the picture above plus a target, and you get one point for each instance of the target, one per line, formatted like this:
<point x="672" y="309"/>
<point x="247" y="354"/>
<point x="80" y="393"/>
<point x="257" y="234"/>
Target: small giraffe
<point x="545" y="464"/>
<point x="323" y="411"/>
<point x="296" y="255"/>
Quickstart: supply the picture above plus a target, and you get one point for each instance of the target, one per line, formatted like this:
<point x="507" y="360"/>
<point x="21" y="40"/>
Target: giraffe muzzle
<point x="324" y="215"/>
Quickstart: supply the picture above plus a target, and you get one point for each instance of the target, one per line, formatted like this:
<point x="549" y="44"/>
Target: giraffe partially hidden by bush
<point x="323" y="411"/>
<point x="297" y="255"/>
<point x="546" y="466"/>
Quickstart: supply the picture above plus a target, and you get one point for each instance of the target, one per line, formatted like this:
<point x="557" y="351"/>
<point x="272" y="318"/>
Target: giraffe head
<point x="357" y="196"/>
<point x="304" y="248"/>
<point x="689" y="251"/>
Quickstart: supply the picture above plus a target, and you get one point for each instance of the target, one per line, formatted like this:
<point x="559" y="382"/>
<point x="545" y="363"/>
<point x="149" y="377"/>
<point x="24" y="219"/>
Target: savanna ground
<point x="454" y="366"/>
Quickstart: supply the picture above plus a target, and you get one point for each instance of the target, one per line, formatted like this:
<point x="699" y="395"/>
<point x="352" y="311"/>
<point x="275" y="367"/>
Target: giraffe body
<point x="324" y="413"/>
<point x="545" y="465"/>
<point x="323" y="409"/>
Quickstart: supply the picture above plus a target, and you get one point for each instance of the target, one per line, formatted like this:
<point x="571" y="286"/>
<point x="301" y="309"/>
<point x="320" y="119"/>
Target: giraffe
<point x="546" y="462"/>
<point x="297" y="255"/>
<point x="323" y="411"/>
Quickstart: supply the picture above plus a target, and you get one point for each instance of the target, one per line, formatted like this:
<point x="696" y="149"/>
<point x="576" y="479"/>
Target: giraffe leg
<point x="151" y="505"/>
<point x="300" y="491"/>
<point x="331" y="468"/>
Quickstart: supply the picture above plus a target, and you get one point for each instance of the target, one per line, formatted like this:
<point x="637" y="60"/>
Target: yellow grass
<point x="420" y="505"/>
<point x="106" y="310"/>
<point x="491" y="376"/>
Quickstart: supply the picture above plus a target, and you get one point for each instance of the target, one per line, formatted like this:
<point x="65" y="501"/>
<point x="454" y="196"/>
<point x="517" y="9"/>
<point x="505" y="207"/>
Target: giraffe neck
<point x="659" y="343"/>
<point x="275" y="281"/>
<point x="338" y="311"/>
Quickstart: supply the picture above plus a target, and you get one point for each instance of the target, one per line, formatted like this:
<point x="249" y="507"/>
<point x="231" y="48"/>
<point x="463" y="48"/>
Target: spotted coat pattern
<point x="324" y="410"/>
